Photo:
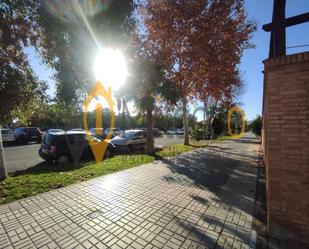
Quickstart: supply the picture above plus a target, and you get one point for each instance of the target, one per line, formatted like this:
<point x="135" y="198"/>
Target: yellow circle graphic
<point x="236" y="109"/>
<point x="98" y="90"/>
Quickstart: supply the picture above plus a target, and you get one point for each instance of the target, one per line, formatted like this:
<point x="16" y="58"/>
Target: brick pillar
<point x="286" y="131"/>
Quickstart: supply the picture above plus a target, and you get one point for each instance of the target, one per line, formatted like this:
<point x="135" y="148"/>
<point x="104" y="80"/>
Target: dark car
<point x="28" y="134"/>
<point x="58" y="146"/>
<point x="156" y="132"/>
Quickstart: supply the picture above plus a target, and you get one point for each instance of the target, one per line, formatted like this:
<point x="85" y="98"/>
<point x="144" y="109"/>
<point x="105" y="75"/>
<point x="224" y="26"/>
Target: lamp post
<point x="2" y="160"/>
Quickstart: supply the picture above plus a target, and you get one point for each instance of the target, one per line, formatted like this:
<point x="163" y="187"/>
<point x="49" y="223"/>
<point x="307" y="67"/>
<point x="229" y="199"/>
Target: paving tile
<point x="197" y="200"/>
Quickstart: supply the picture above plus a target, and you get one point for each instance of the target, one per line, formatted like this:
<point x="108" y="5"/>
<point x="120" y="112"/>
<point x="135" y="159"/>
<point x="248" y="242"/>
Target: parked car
<point x="156" y="131"/>
<point x="28" y="134"/>
<point x="55" y="146"/>
<point x="180" y="131"/>
<point x="130" y="140"/>
<point x="77" y="129"/>
<point x="54" y="130"/>
<point x="172" y="131"/>
<point x="114" y="132"/>
<point x="7" y="135"/>
<point x="99" y="132"/>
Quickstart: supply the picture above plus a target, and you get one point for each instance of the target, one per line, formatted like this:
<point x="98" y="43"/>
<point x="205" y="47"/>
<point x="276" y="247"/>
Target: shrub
<point x="256" y="126"/>
<point x="199" y="134"/>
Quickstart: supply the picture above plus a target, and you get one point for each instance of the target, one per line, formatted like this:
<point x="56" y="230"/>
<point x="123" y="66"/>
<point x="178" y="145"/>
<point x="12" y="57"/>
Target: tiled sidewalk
<point x="203" y="199"/>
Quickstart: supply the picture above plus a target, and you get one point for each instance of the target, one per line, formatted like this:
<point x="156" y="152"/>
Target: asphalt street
<point x="20" y="157"/>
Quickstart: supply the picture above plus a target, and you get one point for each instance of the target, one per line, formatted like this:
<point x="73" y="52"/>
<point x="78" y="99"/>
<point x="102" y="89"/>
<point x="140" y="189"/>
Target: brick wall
<point x="286" y="131"/>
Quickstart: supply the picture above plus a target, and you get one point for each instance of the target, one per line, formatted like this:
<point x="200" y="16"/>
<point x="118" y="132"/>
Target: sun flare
<point x="110" y="68"/>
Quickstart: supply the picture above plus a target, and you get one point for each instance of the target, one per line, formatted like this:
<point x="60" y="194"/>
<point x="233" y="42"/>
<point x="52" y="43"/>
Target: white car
<point x="129" y="141"/>
<point x="54" y="130"/>
<point x="8" y="135"/>
<point x="180" y="131"/>
<point x="172" y="131"/>
<point x="114" y="131"/>
<point x="77" y="129"/>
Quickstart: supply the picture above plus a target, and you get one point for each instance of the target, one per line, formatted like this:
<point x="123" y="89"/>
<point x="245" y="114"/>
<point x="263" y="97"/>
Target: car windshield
<point x="49" y="139"/>
<point x="97" y="130"/>
<point x="6" y="132"/>
<point x="31" y="129"/>
<point x="93" y="138"/>
<point x="128" y="134"/>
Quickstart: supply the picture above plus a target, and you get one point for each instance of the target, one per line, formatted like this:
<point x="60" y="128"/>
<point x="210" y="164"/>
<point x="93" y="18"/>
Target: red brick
<point x="286" y="143"/>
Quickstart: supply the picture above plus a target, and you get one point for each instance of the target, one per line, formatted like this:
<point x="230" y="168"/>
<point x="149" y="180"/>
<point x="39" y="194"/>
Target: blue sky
<point x="252" y="61"/>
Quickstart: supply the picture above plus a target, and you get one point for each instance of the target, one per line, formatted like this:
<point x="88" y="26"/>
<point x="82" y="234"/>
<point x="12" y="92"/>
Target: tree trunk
<point x="2" y="160"/>
<point x="185" y="120"/>
<point x="211" y="129"/>
<point x="123" y="115"/>
<point x="206" y="116"/>
<point x="150" y="139"/>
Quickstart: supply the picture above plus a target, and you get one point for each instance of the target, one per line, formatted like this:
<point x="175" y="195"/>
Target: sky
<point x="251" y="64"/>
<point x="252" y="61"/>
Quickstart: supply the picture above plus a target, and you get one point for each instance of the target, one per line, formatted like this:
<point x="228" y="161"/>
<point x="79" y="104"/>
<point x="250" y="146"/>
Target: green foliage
<point x="220" y="122"/>
<point x="170" y="94"/>
<point x="165" y="122"/>
<point x="71" y="40"/>
<point x="199" y="133"/>
<point x="19" y="88"/>
<point x="143" y="83"/>
<point x="256" y="126"/>
<point x="247" y="126"/>
<point x="236" y="122"/>
<point x="57" y="115"/>
<point x="16" y="90"/>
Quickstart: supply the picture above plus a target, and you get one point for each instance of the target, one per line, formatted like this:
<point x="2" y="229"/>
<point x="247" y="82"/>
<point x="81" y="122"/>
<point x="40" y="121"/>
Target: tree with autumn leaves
<point x="194" y="44"/>
<point x="199" y="44"/>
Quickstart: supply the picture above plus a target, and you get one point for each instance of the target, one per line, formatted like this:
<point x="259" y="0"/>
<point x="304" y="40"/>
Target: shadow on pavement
<point x="211" y="171"/>
<point x="193" y="168"/>
<point x="15" y="144"/>
<point x="224" y="150"/>
<point x="46" y="167"/>
<point x="218" y="147"/>
<point x="247" y="141"/>
<point x="210" y="238"/>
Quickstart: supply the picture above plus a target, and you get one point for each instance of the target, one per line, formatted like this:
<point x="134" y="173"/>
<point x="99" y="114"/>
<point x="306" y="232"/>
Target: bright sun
<point x="110" y="68"/>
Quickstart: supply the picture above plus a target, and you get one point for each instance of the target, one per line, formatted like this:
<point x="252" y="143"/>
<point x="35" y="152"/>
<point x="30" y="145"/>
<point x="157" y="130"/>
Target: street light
<point x="2" y="159"/>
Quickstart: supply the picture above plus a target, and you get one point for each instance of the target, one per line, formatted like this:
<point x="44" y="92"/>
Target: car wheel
<point x="107" y="154"/>
<point x="62" y="159"/>
<point x="20" y="140"/>
<point x="130" y="148"/>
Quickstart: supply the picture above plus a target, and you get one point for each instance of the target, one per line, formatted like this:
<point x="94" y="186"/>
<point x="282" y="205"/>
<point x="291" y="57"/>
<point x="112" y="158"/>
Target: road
<point x="20" y="157"/>
<point x="166" y="140"/>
